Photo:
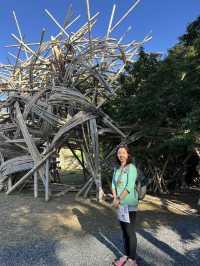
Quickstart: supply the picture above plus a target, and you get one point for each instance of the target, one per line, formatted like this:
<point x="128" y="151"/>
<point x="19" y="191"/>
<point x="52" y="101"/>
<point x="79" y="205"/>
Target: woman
<point x="126" y="202"/>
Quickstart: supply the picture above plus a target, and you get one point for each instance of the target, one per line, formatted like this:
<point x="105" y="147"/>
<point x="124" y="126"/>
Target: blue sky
<point x="167" y="19"/>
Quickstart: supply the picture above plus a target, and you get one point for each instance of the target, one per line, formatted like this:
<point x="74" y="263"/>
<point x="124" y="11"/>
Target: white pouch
<point x="123" y="214"/>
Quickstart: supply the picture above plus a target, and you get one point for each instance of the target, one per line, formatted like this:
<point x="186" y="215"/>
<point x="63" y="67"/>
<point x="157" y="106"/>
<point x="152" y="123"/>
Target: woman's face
<point x="122" y="155"/>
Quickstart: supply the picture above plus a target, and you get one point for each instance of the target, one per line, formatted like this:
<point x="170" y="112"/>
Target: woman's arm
<point x="113" y="185"/>
<point x="123" y="194"/>
<point x="114" y="194"/>
<point x="116" y="201"/>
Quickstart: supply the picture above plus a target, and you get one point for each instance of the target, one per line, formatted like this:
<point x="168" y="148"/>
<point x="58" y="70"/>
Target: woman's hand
<point x="116" y="203"/>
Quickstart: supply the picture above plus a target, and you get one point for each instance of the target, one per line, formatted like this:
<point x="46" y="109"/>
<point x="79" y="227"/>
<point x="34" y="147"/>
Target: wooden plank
<point x="76" y="120"/>
<point x="29" y="141"/>
<point x="31" y="172"/>
<point x="35" y="184"/>
<point x="47" y="180"/>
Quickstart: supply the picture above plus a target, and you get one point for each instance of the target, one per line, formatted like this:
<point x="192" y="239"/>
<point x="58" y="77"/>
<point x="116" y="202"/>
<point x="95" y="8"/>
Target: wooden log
<point x="88" y="189"/>
<point x="19" y="31"/>
<point x="84" y="187"/>
<point x="125" y="15"/>
<point x="95" y="146"/>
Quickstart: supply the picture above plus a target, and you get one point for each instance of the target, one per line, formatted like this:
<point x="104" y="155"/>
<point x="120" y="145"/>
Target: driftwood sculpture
<point x="54" y="98"/>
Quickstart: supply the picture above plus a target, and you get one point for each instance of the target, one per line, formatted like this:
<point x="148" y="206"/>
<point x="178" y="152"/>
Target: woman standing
<point x="126" y="202"/>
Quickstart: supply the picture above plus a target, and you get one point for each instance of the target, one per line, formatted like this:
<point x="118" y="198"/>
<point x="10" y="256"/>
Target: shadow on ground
<point x="31" y="230"/>
<point x="186" y="227"/>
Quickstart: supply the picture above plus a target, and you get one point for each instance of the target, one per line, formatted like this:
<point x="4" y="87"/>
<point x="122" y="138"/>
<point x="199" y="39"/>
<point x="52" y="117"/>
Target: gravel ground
<point x="63" y="232"/>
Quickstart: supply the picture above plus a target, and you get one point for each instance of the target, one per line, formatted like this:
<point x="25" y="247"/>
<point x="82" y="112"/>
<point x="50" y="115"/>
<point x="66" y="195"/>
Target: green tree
<point x="161" y="93"/>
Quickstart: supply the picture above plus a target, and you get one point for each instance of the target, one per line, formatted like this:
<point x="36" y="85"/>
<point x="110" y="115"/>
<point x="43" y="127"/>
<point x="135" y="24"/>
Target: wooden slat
<point x="31" y="172"/>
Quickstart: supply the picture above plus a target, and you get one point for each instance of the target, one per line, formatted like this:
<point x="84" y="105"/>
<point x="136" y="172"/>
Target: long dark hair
<point x="130" y="157"/>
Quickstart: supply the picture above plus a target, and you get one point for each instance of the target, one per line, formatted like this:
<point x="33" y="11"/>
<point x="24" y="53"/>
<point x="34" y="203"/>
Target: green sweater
<point x="126" y="180"/>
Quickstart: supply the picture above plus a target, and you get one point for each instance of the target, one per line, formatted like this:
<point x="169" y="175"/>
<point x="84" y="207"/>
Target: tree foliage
<point x="161" y="92"/>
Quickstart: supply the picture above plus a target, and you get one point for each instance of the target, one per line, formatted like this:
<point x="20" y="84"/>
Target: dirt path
<point x="34" y="232"/>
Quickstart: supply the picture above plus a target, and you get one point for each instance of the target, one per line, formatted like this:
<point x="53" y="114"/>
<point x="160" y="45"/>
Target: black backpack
<point x="142" y="182"/>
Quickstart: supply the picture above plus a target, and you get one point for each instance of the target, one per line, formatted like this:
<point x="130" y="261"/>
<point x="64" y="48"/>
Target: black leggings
<point x="129" y="236"/>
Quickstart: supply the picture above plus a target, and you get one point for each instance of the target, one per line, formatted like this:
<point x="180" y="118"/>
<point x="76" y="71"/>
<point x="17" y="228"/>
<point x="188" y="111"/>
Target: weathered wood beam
<point x="29" y="141"/>
<point x="31" y="172"/>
